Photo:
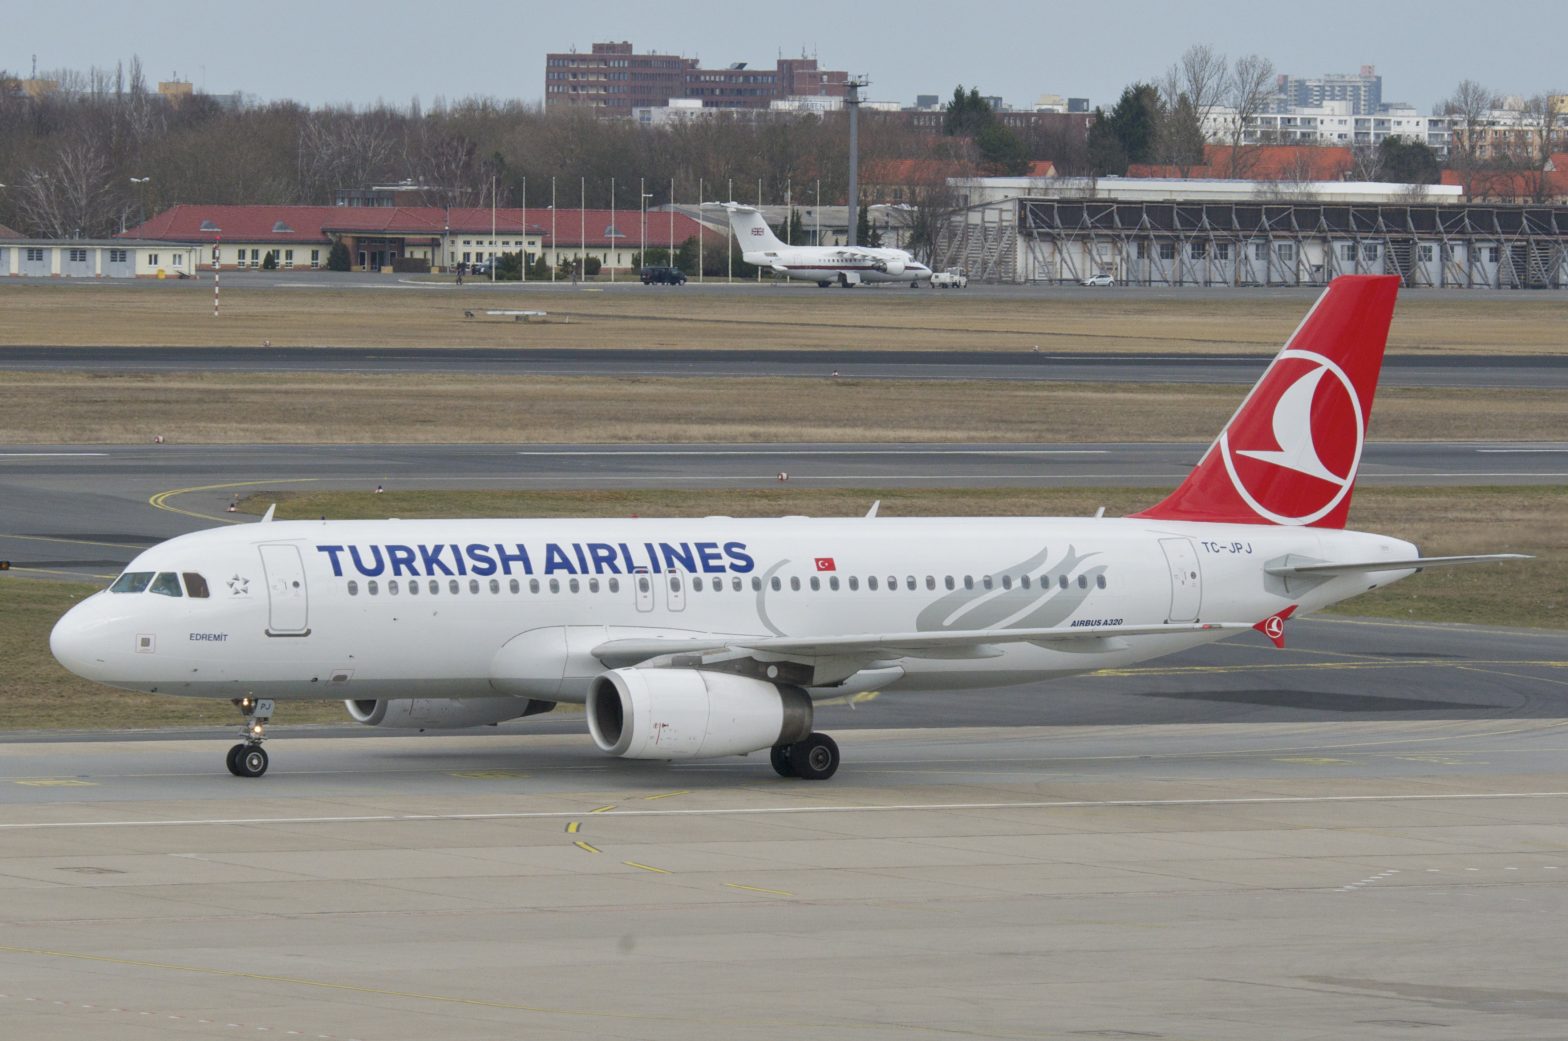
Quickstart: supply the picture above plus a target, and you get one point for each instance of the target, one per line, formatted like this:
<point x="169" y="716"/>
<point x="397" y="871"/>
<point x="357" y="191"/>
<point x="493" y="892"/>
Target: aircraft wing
<point x="857" y="650"/>
<point x="1367" y="567"/>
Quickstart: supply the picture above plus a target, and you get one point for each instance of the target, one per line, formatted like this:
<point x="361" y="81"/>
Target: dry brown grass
<point x="36" y="693"/>
<point x="81" y="408"/>
<point x="793" y="316"/>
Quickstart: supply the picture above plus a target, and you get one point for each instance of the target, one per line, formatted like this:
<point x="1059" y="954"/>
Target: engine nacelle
<point x="894" y="267"/>
<point x="690" y="714"/>
<point x="443" y="713"/>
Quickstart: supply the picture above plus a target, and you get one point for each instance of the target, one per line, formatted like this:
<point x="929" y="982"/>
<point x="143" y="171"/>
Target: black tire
<point x="814" y="758"/>
<point x="233" y="760"/>
<point x="824" y="285"/>
<point x="252" y="761"/>
<point x="779" y="754"/>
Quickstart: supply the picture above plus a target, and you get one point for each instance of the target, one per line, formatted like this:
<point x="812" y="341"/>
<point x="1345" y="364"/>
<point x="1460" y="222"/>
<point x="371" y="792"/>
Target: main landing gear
<point x="248" y="758"/>
<point x="813" y="758"/>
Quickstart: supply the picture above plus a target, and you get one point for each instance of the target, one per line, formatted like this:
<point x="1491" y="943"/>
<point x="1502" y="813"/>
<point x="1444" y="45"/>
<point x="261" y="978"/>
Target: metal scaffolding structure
<point x="1264" y="243"/>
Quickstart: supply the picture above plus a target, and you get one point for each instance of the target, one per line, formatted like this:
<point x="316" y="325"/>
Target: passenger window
<point x="495" y="586"/>
<point x="435" y="587"/>
<point x="816" y="584"/>
<point x="195" y="586"/>
<point x="1063" y="581"/>
<point x="573" y="585"/>
<point x="1099" y="580"/>
<point x="930" y="581"/>
<point x="353" y="588"/>
<point x="371" y="587"/>
<point x="533" y="585"/>
<point x="756" y="583"/>
<point x="555" y="585"/>
<point x="1023" y="580"/>
<point x="833" y="583"/>
<point x="451" y="586"/>
<point x="413" y="587"/>
<point x="1007" y="581"/>
<point x="391" y="587"/>
<point x="736" y="584"/>
<point x="696" y="584"/>
<point x="642" y="585"/>
<point x="473" y="584"/>
<point x="947" y="581"/>
<point x="854" y="583"/>
<point x="987" y="581"/>
<point x="892" y="583"/>
<point x="515" y="586"/>
<point x="1083" y="581"/>
<point x="794" y="584"/>
<point x="615" y="585"/>
<point x="871" y="583"/>
<point x="969" y="581"/>
<point x="131" y="582"/>
<point x="776" y="584"/>
<point x="675" y="583"/>
<point x="593" y="585"/>
<point x="166" y="584"/>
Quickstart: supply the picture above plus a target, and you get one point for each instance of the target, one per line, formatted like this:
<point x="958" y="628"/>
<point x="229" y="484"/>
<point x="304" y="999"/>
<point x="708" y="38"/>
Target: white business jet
<point x="714" y="637"/>
<point x="846" y="266"/>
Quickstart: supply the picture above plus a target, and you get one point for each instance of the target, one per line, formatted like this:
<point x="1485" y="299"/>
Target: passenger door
<point x="288" y="603"/>
<point x="1186" y="579"/>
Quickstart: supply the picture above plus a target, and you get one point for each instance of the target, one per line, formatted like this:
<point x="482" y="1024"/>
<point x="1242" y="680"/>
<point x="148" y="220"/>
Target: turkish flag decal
<point x="826" y="564"/>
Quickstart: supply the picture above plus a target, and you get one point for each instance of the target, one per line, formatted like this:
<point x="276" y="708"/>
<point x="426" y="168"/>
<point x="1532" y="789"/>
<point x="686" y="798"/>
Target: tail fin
<point x="1290" y="453"/>
<point x="751" y="230"/>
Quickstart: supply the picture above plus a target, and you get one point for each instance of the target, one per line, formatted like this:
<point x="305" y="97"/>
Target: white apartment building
<point x="1333" y="123"/>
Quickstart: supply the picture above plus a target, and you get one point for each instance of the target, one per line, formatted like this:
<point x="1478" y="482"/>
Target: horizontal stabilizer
<point x="1414" y="563"/>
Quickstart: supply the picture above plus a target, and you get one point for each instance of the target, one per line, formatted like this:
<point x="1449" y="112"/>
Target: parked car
<point x="1102" y="279"/>
<point x="952" y="278"/>
<point x="669" y="276"/>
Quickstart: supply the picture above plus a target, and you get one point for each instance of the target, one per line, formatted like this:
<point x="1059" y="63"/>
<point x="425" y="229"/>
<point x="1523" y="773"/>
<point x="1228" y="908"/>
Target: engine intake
<point x="443" y="713"/>
<point x="691" y="713"/>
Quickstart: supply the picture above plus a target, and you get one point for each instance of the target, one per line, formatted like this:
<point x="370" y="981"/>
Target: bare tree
<point x="72" y="197"/>
<point x="1191" y="89"/>
<point x="1248" y="88"/>
<point x="1470" y="107"/>
<point x="1541" y="135"/>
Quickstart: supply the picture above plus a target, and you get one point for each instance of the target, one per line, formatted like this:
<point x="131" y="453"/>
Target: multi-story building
<point x="1332" y="123"/>
<point x="1364" y="91"/>
<point x="615" y="79"/>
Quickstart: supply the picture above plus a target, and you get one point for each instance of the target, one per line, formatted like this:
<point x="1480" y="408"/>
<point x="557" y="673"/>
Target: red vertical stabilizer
<point x="1290" y="453"/>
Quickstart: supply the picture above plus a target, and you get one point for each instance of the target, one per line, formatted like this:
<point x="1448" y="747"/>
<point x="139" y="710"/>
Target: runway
<point x="1458" y="370"/>
<point x="1364" y="839"/>
<point x="86" y="510"/>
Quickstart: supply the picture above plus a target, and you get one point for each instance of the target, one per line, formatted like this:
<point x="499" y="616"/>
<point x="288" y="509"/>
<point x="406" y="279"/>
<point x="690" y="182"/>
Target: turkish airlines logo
<point x="825" y="564"/>
<point x="1293" y="451"/>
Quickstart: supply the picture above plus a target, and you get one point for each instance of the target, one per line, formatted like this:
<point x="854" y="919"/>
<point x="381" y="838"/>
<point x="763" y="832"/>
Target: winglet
<point x="1274" y="626"/>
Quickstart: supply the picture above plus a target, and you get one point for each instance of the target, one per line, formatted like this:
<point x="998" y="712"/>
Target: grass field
<point x="391" y="313"/>
<point x="298" y="408"/>
<point x="36" y="693"/>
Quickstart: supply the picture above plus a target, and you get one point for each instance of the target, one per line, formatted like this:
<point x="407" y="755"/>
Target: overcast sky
<point x="395" y="50"/>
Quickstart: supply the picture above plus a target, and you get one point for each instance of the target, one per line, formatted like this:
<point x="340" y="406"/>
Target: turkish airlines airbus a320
<point x="713" y="637"/>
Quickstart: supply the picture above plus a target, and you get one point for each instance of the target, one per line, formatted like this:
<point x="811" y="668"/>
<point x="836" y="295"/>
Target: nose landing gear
<point x="248" y="758"/>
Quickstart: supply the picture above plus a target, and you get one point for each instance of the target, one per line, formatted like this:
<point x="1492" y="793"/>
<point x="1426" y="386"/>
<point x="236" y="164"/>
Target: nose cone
<point x="77" y="641"/>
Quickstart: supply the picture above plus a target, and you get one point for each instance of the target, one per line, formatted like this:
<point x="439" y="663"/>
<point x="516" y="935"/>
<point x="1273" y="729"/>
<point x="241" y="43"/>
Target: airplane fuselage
<point x="834" y="264"/>
<point x="480" y="608"/>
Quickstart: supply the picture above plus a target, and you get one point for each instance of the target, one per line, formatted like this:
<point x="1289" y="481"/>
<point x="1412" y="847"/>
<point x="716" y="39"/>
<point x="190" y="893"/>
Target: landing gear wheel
<point x="252" y="761"/>
<point x="782" y="766"/>
<point x="824" y="284"/>
<point x="815" y="758"/>
<point x="234" y="760"/>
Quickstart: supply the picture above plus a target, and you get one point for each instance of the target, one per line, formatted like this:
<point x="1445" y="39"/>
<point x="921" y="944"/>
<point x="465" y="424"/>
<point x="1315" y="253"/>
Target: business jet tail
<point x="1290" y="453"/>
<point x="750" y="229"/>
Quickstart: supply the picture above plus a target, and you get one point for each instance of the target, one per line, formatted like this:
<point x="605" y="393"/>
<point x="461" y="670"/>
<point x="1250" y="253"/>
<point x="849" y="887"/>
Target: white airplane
<point x="714" y="637"/>
<point x="846" y="266"/>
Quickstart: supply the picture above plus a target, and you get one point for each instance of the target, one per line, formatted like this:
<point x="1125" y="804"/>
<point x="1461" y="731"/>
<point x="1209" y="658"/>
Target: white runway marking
<point x="941" y="807"/>
<point x="826" y="451"/>
<point x="49" y="455"/>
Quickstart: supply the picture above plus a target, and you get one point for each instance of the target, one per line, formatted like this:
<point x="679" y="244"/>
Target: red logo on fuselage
<point x="1293" y="449"/>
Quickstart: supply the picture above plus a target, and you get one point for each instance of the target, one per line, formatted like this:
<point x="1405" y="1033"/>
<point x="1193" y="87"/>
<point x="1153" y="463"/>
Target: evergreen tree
<point x="337" y="257"/>
<point x="1002" y="152"/>
<point x="967" y="114"/>
<point x="1407" y="162"/>
<point x="1129" y="133"/>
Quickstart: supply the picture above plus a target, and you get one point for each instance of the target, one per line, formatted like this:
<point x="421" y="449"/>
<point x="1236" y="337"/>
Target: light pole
<point x="141" y="198"/>
<point x="642" y="219"/>
<point x="853" y="101"/>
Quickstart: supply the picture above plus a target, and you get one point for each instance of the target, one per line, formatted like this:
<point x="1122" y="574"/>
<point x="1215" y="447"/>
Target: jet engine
<point x="443" y="713"/>
<point x="690" y="713"/>
<point x="894" y="267"/>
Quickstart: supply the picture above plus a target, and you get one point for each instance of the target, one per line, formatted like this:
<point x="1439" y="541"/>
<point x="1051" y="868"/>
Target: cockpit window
<point x="131" y="582"/>
<point x="195" y="585"/>
<point x="166" y="584"/>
